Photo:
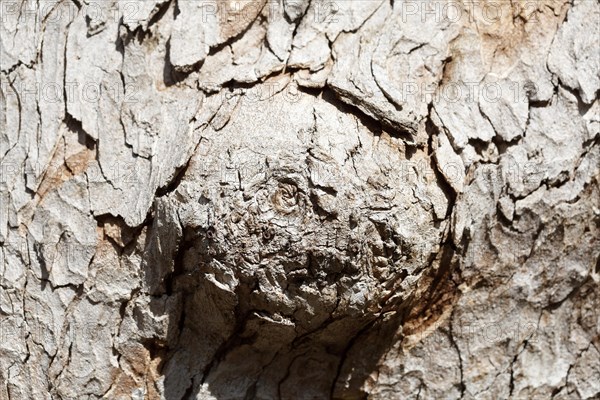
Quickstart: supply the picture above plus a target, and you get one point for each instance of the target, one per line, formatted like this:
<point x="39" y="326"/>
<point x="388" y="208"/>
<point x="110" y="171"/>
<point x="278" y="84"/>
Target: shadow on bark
<point x="221" y="348"/>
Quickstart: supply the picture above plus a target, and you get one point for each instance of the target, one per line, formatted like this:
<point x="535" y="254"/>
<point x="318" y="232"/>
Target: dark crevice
<point x="178" y="267"/>
<point x="171" y="186"/>
<point x="179" y="174"/>
<point x="172" y="76"/>
<point x="371" y="123"/>
<point x="511" y="383"/>
<point x="555" y="305"/>
<point x="462" y="387"/>
<point x="176" y="10"/>
<point x="503" y="145"/>
<point x="540" y="103"/>
<point x="479" y="145"/>
<point x="159" y="13"/>
<point x="83" y="137"/>
<point x="189" y="392"/>
<point x="433" y="132"/>
<point x="337" y="96"/>
<point x="17" y="65"/>
<point x="581" y="105"/>
<point x="364" y="330"/>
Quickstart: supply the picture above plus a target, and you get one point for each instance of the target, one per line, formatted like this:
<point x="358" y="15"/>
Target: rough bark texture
<point x="299" y="199"/>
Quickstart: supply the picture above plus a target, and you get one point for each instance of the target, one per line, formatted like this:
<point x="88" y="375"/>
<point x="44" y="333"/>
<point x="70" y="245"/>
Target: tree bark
<point x="299" y="199"/>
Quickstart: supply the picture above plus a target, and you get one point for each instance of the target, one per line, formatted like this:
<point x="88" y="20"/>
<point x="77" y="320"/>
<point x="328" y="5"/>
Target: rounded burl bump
<point x="307" y="246"/>
<point x="292" y="238"/>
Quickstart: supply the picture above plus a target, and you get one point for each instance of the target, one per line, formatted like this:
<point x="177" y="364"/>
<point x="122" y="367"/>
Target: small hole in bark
<point x="210" y="233"/>
<point x="403" y="273"/>
<point x="268" y="233"/>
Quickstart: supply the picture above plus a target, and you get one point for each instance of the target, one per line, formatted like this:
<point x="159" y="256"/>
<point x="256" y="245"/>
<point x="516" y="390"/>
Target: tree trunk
<point x="296" y="199"/>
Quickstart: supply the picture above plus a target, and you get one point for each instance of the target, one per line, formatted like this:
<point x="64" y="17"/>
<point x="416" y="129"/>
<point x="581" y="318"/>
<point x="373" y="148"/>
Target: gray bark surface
<point x="299" y="199"/>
